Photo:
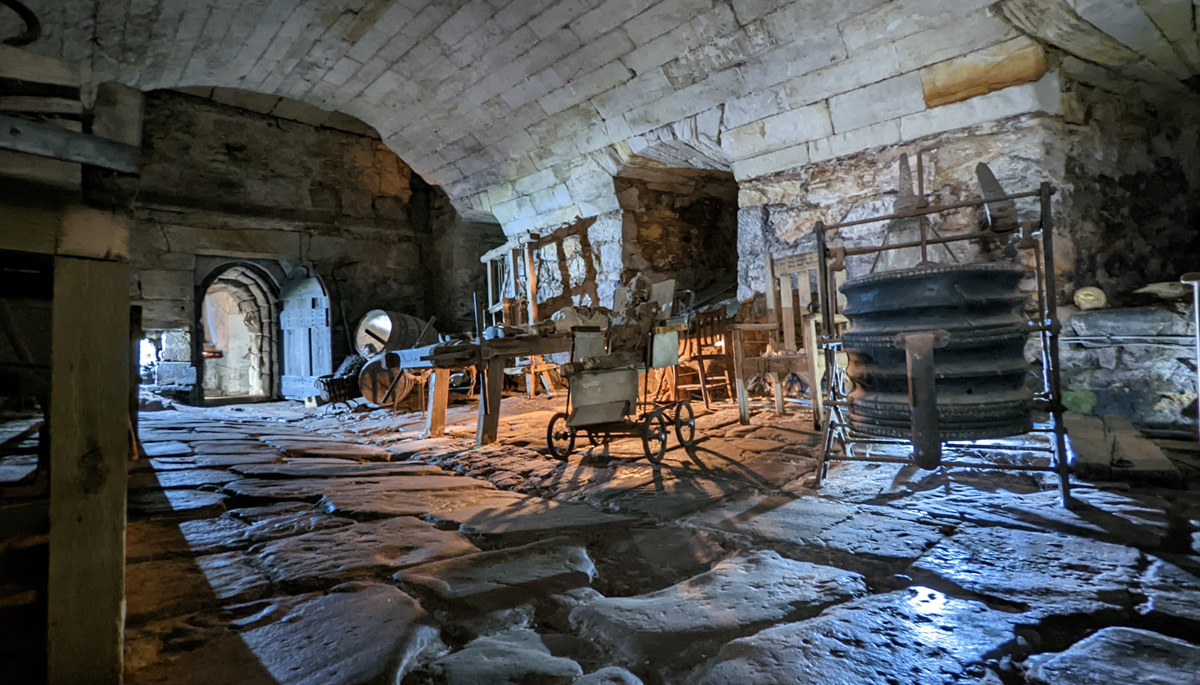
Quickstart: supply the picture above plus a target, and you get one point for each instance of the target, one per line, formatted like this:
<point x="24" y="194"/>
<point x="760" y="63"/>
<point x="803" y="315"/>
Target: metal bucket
<point x="381" y="331"/>
<point x="980" y="371"/>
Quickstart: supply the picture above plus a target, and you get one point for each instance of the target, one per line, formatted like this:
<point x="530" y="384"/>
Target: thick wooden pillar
<point x="89" y="446"/>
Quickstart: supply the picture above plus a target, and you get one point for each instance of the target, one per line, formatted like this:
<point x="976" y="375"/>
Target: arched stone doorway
<point x="238" y="323"/>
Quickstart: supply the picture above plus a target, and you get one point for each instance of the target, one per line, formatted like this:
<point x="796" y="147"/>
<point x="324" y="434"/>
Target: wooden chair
<point x="708" y="332"/>
<point x="783" y="330"/>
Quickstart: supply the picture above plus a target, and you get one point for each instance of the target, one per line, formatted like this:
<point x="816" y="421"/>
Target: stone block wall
<point x="224" y="184"/>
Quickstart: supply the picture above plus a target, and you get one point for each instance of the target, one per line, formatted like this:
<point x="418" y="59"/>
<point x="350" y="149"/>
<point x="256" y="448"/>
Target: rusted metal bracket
<point x="922" y="393"/>
<point x="48" y="140"/>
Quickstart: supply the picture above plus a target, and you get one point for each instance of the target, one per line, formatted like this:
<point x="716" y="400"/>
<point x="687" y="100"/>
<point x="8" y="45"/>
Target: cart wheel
<point x="685" y="424"/>
<point x="560" y="439"/>
<point x="598" y="438"/>
<point x="654" y="436"/>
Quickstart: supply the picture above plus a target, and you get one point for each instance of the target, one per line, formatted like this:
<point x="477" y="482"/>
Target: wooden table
<point x="490" y="358"/>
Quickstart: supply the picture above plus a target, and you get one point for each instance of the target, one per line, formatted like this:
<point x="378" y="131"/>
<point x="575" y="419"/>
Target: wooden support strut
<point x="48" y="140"/>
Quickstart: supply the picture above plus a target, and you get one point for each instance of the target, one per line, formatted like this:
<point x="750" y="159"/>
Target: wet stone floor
<point x="269" y="544"/>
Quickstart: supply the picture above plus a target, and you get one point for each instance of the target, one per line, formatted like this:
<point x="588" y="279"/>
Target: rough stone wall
<point x="222" y="183"/>
<point x="1133" y="175"/>
<point x="457" y="275"/>
<point x="1128" y="374"/>
<point x="778" y="212"/>
<point x="684" y="225"/>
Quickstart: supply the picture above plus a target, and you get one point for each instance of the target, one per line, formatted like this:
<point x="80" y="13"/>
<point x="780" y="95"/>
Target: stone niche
<point x="673" y="223"/>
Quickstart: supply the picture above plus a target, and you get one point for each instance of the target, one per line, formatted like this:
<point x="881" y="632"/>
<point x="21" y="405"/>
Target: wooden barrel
<point x="382" y="386"/>
<point x="380" y="331"/>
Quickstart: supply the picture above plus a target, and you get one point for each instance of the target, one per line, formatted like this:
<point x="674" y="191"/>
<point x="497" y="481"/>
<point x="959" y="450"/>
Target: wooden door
<point x="306" y="338"/>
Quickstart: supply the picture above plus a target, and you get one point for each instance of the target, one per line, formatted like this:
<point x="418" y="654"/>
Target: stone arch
<point x="254" y="291"/>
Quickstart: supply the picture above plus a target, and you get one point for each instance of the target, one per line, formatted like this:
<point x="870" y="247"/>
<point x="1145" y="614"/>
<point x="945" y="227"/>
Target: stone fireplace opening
<point x="238" y="320"/>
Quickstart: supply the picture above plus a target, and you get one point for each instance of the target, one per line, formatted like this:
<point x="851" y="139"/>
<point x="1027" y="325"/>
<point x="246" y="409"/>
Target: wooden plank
<point x="48" y="140"/>
<point x="788" y="313"/>
<point x="36" y="105"/>
<point x="40" y="170"/>
<point x="88" y="451"/>
<point x="94" y="233"/>
<point x="816" y="365"/>
<point x="1136" y="458"/>
<point x="22" y="65"/>
<point x="439" y="397"/>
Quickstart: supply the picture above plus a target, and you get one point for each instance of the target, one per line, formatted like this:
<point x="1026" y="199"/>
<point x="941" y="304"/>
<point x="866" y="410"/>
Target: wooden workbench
<point x="490" y="358"/>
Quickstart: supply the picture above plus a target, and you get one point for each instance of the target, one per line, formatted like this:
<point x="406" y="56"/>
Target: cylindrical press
<point x="980" y="373"/>
<point x="381" y="331"/>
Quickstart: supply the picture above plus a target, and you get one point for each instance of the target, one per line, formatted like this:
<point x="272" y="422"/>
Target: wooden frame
<point x="784" y="355"/>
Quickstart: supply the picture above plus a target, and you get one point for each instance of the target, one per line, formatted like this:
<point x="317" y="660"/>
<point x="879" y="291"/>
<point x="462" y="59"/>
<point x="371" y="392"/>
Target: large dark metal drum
<point x="981" y="371"/>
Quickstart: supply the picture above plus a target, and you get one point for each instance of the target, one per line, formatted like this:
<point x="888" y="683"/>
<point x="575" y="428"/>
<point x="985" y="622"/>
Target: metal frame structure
<point x="839" y="438"/>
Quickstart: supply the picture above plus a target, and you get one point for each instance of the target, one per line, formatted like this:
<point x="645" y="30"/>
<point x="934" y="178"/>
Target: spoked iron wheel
<point x="560" y="438"/>
<point x="654" y="437"/>
<point x="685" y="424"/>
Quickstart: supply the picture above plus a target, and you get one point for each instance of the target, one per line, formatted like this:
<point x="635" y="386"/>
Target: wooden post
<point x="816" y="367"/>
<point x="89" y="446"/>
<point x="739" y="371"/>
<point x="439" y="397"/>
<point x="787" y="313"/>
<point x="489" y="401"/>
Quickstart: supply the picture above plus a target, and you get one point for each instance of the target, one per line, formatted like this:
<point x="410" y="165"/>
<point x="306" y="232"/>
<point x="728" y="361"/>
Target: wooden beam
<point x="439" y="397"/>
<point x="88" y="451"/>
<point x="30" y="67"/>
<point x="48" y="140"/>
<point x="35" y="105"/>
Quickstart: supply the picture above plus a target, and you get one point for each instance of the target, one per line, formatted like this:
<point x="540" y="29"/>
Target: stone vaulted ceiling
<point x="523" y="110"/>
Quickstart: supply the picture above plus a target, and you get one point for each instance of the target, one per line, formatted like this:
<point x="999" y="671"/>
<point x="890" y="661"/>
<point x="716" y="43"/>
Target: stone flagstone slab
<point x="232" y="447"/>
<point x="356" y="552"/>
<point x="914" y="636"/>
<point x="179" y="478"/>
<point x="312" y="489"/>
<point x="178" y="586"/>
<point x="171" y="448"/>
<point x="360" y="633"/>
<point x="330" y="448"/>
<point x="191" y="503"/>
<point x="1119" y="655"/>
<point x="237" y="529"/>
<point x="489" y="512"/>
<point x="1172" y="593"/>
<point x="326" y="468"/>
<point x="1048" y="571"/>
<point x="502" y="578"/>
<point x="215" y="460"/>
<point x="515" y="656"/>
<point x="738" y="596"/>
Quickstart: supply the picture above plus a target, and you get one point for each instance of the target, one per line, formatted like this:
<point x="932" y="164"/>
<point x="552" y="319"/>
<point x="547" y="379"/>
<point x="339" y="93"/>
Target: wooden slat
<point x="88" y="451"/>
<point x="22" y="65"/>
<point x="48" y="140"/>
<point x="787" y="312"/>
<point x="35" y="105"/>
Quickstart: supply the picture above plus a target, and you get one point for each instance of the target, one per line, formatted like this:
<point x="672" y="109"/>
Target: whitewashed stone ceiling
<point x="524" y="109"/>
